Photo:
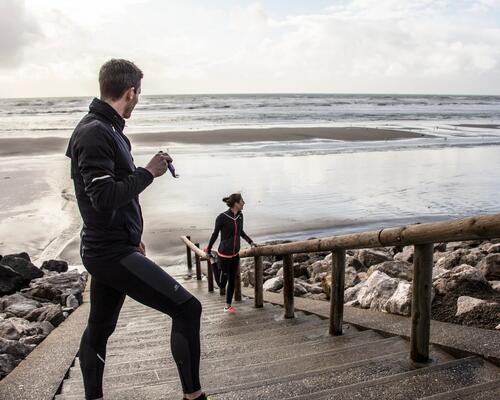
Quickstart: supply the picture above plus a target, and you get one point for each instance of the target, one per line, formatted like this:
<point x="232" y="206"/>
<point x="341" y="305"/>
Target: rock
<point x="299" y="290"/>
<point x="23" y="267"/>
<point x="247" y="277"/>
<point x="377" y="290"/>
<point x="314" y="289"/>
<point x="452" y="246"/>
<point x="494" y="248"/>
<point x="351" y="294"/>
<point x="55" y="265"/>
<point x="7" y="364"/>
<point x="46" y="327"/>
<point x="462" y="275"/>
<point x="300" y="270"/>
<point x="400" y="301"/>
<point x="490" y="266"/>
<point x="406" y="255"/>
<point x="450" y="260"/>
<point x="320" y="266"/>
<point x="351" y="277"/>
<point x="10" y="281"/>
<point x="37" y="339"/>
<point x="23" y="255"/>
<point x="301" y="258"/>
<point x="369" y="257"/>
<point x="17" y="305"/>
<point x="52" y="287"/>
<point x="440" y="247"/>
<point x="273" y="284"/>
<point x="436" y="271"/>
<point x="395" y="269"/>
<point x="266" y="265"/>
<point x="473" y="257"/>
<point x="15" y="348"/>
<point x="318" y="296"/>
<point x="467" y="303"/>
<point x="15" y="328"/>
<point x="352" y="261"/>
<point x="362" y="276"/>
<point x="495" y="285"/>
<point x="326" y="285"/>
<point x="52" y="313"/>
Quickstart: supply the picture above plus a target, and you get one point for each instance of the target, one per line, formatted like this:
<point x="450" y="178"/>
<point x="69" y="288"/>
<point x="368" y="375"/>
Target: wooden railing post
<point x="259" y="290"/>
<point x="288" y="285"/>
<point x="337" y="292"/>
<point x="421" y="302"/>
<point x="198" y="264"/>
<point x="210" y="276"/>
<point x="188" y="254"/>
<point x="237" y="284"/>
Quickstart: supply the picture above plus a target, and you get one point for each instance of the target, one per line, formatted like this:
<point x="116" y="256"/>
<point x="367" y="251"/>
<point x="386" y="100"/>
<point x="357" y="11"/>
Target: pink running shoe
<point x="230" y="309"/>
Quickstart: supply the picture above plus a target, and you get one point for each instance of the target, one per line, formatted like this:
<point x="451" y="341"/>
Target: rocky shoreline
<point x="466" y="280"/>
<point x="33" y="301"/>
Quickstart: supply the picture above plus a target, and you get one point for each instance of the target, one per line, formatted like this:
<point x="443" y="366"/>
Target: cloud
<point x="192" y="46"/>
<point x="18" y="29"/>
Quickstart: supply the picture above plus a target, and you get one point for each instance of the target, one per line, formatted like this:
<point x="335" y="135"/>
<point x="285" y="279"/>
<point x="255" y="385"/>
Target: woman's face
<point x="240" y="205"/>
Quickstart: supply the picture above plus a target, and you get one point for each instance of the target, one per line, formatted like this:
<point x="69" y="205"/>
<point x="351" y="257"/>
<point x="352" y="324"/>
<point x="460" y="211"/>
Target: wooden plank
<point x="259" y="282"/>
<point x="337" y="292"/>
<point x="473" y="228"/>
<point x="288" y="285"/>
<point x="421" y="302"/>
<point x="198" y="264"/>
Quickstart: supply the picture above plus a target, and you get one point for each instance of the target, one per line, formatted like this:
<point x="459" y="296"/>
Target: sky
<point x="55" y="47"/>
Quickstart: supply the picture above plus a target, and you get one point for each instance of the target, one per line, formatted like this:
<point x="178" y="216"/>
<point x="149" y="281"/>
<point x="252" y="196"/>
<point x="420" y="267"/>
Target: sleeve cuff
<point x="147" y="175"/>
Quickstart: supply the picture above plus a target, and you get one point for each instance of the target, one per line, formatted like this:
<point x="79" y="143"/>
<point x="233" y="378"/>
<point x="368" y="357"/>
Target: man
<point x="107" y="185"/>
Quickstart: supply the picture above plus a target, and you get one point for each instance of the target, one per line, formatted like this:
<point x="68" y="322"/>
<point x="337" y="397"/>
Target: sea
<point x="293" y="190"/>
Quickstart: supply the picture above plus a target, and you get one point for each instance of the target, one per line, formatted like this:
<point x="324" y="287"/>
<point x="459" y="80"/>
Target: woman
<point x="230" y="226"/>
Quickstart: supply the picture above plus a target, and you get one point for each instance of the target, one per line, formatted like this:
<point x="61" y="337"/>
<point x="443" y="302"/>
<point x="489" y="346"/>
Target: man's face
<point x="132" y="102"/>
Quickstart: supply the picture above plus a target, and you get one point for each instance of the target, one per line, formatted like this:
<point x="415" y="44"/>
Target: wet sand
<point x="50" y="145"/>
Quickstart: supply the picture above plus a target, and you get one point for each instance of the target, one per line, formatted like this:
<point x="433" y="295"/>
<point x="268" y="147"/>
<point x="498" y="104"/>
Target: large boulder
<point x="10" y="280"/>
<point x="55" y="265"/>
<point x="490" y="266"/>
<point x="451" y="260"/>
<point x="494" y="248"/>
<point x="15" y="328"/>
<point x="15" y="348"/>
<point x="467" y="303"/>
<point x="452" y="246"/>
<point x="395" y="269"/>
<point x="406" y="255"/>
<point x="247" y="278"/>
<point x="463" y="276"/>
<point x="400" y="301"/>
<point x="7" y="364"/>
<point x="273" y="284"/>
<point x="369" y="257"/>
<point x="299" y="289"/>
<point x="23" y="267"/>
<point x="18" y="305"/>
<point x="314" y="289"/>
<point x="52" y="313"/>
<point x="377" y="290"/>
<point x="56" y="287"/>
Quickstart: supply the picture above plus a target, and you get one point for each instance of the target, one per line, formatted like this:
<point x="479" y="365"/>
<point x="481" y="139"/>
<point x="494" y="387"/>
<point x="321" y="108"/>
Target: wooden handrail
<point x="422" y="236"/>
<point x="481" y="227"/>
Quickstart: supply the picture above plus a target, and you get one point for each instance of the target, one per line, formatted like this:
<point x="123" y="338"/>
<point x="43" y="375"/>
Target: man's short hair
<point x="117" y="76"/>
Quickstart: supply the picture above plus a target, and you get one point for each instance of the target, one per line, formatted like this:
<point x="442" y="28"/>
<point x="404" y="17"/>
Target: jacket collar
<point x="109" y="113"/>
<point x="229" y="213"/>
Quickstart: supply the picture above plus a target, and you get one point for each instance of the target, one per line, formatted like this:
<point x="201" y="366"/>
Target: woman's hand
<point x="142" y="249"/>
<point x="253" y="244"/>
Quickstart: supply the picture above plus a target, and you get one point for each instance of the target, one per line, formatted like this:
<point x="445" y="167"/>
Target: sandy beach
<point x="50" y="145"/>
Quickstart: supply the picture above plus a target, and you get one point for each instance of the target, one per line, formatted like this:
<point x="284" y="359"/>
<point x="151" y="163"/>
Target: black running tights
<point x="228" y="268"/>
<point x="144" y="281"/>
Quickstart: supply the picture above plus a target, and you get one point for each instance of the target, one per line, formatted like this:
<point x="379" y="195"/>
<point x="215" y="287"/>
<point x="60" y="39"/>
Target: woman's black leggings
<point x="144" y="281"/>
<point x="228" y="268"/>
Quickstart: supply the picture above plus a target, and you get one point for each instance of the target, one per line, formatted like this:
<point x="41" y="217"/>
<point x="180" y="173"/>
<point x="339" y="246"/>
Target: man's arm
<point x="96" y="164"/>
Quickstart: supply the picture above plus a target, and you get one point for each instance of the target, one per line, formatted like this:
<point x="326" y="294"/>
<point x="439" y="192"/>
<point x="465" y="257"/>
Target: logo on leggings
<point x="176" y="287"/>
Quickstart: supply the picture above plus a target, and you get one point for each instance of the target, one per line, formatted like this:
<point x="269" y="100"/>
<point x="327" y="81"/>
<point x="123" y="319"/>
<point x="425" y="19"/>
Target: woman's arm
<point x="215" y="234"/>
<point x="246" y="237"/>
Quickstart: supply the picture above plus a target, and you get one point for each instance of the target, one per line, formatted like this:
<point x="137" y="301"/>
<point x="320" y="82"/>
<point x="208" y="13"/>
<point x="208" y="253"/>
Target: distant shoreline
<point x="50" y="145"/>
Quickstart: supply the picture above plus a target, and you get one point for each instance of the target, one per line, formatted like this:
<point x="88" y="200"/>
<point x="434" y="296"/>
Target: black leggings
<point x="144" y="281"/>
<point x="228" y="268"/>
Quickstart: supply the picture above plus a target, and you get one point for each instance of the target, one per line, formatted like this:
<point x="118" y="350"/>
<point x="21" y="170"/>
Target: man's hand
<point x="142" y="249"/>
<point x="159" y="164"/>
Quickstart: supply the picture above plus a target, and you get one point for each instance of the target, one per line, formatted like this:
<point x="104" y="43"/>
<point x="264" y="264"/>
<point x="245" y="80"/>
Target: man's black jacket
<point x="107" y="183"/>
